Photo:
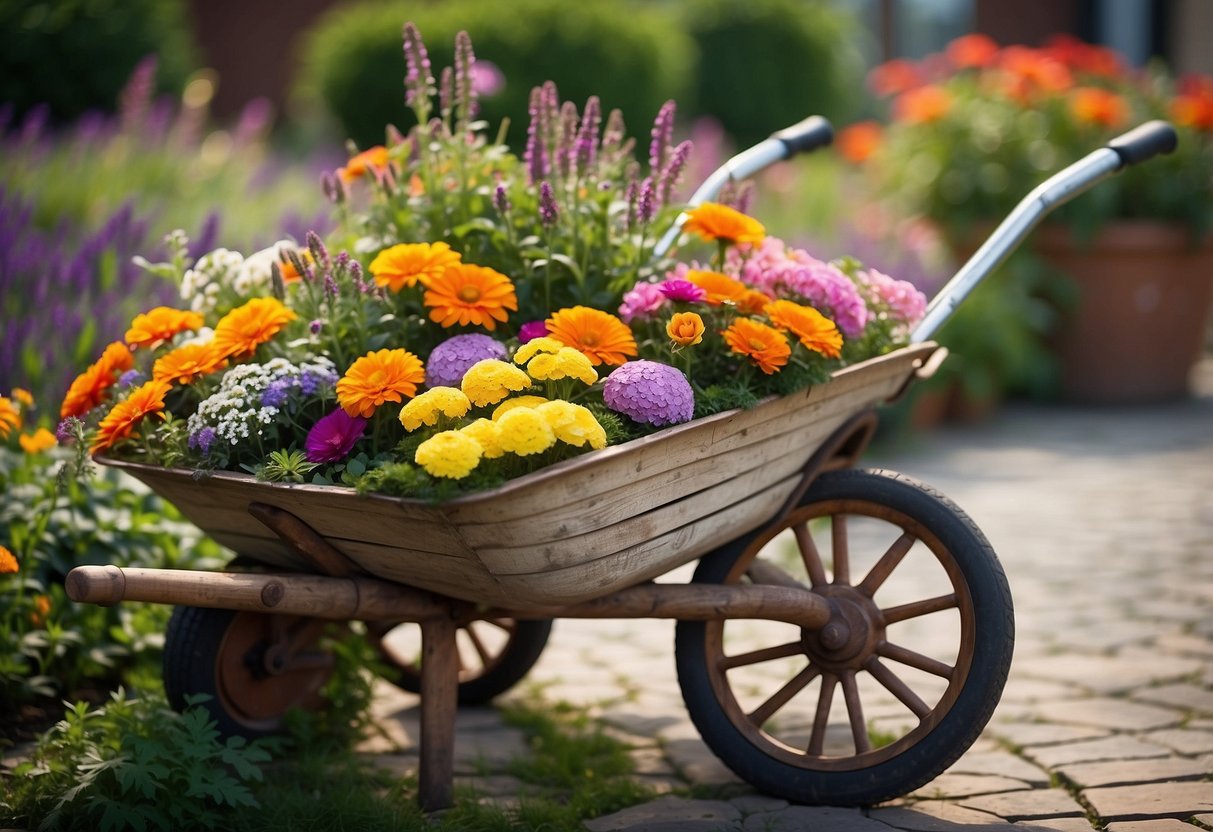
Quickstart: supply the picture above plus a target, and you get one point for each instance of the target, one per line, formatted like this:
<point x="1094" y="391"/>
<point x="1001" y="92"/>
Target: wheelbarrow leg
<point x="439" y="698"/>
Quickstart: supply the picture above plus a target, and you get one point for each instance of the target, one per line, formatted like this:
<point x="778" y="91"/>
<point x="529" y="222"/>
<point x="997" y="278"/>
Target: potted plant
<point x="974" y="129"/>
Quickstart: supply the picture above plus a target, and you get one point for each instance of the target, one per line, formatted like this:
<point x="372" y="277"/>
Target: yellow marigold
<point x="87" y="390"/>
<point x="766" y="347"/>
<point x="451" y="454"/>
<point x="465" y="294"/>
<point x="433" y="404"/>
<point x="10" y="417"/>
<point x="491" y="380"/>
<point x="188" y="362"/>
<point x="246" y="327"/>
<point x="373" y="159"/>
<point x="8" y="563"/>
<point x="603" y="338"/>
<point x="488" y="435"/>
<point x="533" y="347"/>
<point x="160" y="324"/>
<point x="518" y="401"/>
<point x="23" y="396"/>
<point x="406" y="264"/>
<point x="38" y="441"/>
<point x="567" y="363"/>
<point x="573" y="424"/>
<point x="120" y="422"/>
<point x="817" y="332"/>
<point x="719" y="288"/>
<point x="685" y="329"/>
<point x="379" y="377"/>
<point x="524" y="432"/>
<point x="713" y="221"/>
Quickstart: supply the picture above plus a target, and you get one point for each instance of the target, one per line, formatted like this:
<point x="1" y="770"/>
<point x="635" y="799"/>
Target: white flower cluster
<point x="225" y="272"/>
<point x="236" y="411"/>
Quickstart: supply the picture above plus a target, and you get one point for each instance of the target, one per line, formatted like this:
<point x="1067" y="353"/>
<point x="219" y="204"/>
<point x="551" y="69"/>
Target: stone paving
<point x="1103" y="520"/>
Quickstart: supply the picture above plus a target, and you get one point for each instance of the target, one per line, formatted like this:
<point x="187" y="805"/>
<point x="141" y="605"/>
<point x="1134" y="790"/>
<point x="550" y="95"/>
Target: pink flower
<point x="332" y="438"/>
<point x="532" y="330"/>
<point x="643" y="301"/>
<point x="902" y="301"/>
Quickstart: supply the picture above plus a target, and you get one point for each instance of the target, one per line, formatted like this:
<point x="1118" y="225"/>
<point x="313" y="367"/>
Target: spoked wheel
<point x="896" y="686"/>
<point x="254" y="667"/>
<point x="494" y="654"/>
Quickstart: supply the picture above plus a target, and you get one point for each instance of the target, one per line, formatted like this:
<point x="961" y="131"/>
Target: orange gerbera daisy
<point x="857" y="142"/>
<point x="922" y="105"/>
<point x="378" y="377"/>
<point x="10" y="417"/>
<point x="817" y="332"/>
<point x="717" y="287"/>
<point x="685" y="329"/>
<point x="598" y="335"/>
<point x="407" y="263"/>
<point x="765" y="346"/>
<point x="373" y="159"/>
<point x="116" y="358"/>
<point x="160" y="324"/>
<point x="188" y="362"/>
<point x="246" y="327"/>
<point x="1099" y="106"/>
<point x="120" y="422"/>
<point x="753" y="302"/>
<point x="88" y="389"/>
<point x="465" y="294"/>
<point x="713" y="221"/>
<point x="38" y="441"/>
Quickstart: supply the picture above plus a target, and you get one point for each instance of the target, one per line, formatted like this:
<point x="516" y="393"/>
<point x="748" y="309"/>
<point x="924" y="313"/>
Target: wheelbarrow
<point x="845" y="636"/>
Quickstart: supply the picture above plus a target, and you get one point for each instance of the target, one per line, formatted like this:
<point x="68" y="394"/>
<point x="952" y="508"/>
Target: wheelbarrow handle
<point x="801" y="137"/>
<point x="1139" y="144"/>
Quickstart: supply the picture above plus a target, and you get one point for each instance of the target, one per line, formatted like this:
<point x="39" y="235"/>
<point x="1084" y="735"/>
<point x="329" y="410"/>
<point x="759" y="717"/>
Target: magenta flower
<point x="332" y="438"/>
<point x="682" y="291"/>
<point x="532" y="330"/>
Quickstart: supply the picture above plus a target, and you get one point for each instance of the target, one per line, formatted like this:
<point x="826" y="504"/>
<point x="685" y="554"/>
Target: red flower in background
<point x="1099" y="106"/>
<point x="857" y="142"/>
<point x="922" y="105"/>
<point x="893" y="77"/>
<point x="972" y="51"/>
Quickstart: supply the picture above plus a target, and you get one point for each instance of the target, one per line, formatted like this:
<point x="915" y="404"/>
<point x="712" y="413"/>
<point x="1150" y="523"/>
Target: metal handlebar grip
<point x="1154" y="138"/>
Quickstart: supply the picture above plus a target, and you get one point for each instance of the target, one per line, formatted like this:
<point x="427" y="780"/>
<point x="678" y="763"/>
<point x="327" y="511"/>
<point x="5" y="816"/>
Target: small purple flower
<point x="65" y="432"/>
<point x="530" y="331"/>
<point x="202" y="441"/>
<point x="454" y="356"/>
<point x="276" y="393"/>
<point x="650" y="392"/>
<point x="314" y="381"/>
<point x="681" y="291"/>
<point x="644" y="300"/>
<point x="130" y="378"/>
<point x="501" y="200"/>
<point x="315" y="326"/>
<point x="663" y="131"/>
<point x="646" y="202"/>
<point x="548" y="211"/>
<point x="333" y="437"/>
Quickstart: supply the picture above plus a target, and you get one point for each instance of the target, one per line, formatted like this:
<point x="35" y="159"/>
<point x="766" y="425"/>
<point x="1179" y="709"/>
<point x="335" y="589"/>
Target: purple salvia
<point x="446" y="91"/>
<point x="566" y="137"/>
<point x="629" y="196"/>
<point x="673" y="172"/>
<point x="320" y="254"/>
<point x="745" y="196"/>
<point x="663" y="130"/>
<point x="136" y="96"/>
<point x="466" y="104"/>
<point x="418" y="79"/>
<point x="646" y="202"/>
<point x="254" y="122"/>
<point x="535" y="154"/>
<point x="586" y="150"/>
<point x="549" y="212"/>
<point x="501" y="200"/>
<point x="334" y="191"/>
<point x="612" y="134"/>
<point x="394" y="136"/>
<point x="550" y="115"/>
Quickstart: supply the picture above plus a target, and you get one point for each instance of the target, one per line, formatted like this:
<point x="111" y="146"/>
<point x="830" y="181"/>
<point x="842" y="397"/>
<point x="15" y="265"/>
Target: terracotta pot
<point x="1141" y="318"/>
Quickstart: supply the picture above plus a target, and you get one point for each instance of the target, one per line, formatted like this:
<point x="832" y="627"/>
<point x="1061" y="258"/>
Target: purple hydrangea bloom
<point x="531" y="330"/>
<point x="332" y="438"/>
<point x="202" y="441"/>
<point x="454" y="356"/>
<point x="682" y="291"/>
<point x="650" y="392"/>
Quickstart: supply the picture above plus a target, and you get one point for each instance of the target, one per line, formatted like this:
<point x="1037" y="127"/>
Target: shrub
<point x="633" y="60"/>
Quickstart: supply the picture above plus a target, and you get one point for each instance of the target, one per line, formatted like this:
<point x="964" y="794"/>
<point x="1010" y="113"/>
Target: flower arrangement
<point x="973" y="129"/>
<point x="478" y="313"/>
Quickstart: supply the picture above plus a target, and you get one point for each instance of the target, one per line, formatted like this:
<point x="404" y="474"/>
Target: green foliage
<point x="75" y="55"/>
<point x="633" y="60"/>
<point x="766" y="64"/>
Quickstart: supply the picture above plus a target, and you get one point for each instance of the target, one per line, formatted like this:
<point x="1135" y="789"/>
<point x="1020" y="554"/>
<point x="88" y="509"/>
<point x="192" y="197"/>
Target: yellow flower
<point x="487" y="434"/>
<point x="524" y="432"/>
<point x="146" y="400"/>
<point x="817" y="332"/>
<point x="379" y="377"/>
<point x="713" y="221"/>
<point x="600" y="335"/>
<point x="10" y="417"/>
<point x="573" y="424"/>
<point x="38" y="441"/>
<point x="8" y="563"/>
<point x="160" y="324"/>
<point x="567" y="363"/>
<point x="491" y="380"/>
<point x="685" y="329"/>
<point x="533" y="347"/>
<point x="518" y="401"/>
<point x="408" y="264"/>
<point x="433" y="404"/>
<point x="246" y="327"/>
<point x="25" y="397"/>
<point x="451" y="454"/>
<point x="465" y="294"/>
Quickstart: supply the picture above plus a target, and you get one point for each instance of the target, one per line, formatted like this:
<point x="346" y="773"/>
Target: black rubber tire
<point x="509" y="665"/>
<point x="815" y="781"/>
<point x="195" y="641"/>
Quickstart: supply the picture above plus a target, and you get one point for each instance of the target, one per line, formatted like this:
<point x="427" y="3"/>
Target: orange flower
<point x="116" y="358"/>
<point x="466" y="294"/>
<point x="8" y="563"/>
<point x="242" y="330"/>
<point x="894" y="77"/>
<point x="160" y="324"/>
<point x="817" y="332"/>
<point x="685" y="329"/>
<point x="1085" y="57"/>
<point x="766" y="347"/>
<point x="38" y="441"/>
<point x="374" y="159"/>
<point x="922" y="105"/>
<point x="857" y="142"/>
<point x="754" y="302"/>
<point x="713" y="221"/>
<point x="378" y="377"/>
<point x="188" y="362"/>
<point x="87" y="390"/>
<point x="1099" y="106"/>
<point x="42" y="608"/>
<point x="407" y="263"/>
<point x="1193" y="107"/>
<point x="718" y="287"/>
<point x="975" y="50"/>
<point x="10" y="417"/>
<point x="286" y="267"/>
<point x="1031" y="71"/>
<point x="25" y="397"/>
<point x="120" y="422"/>
<point x="598" y="335"/>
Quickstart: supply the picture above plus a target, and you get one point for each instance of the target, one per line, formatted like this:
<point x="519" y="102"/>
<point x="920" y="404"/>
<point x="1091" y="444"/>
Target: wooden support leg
<point x="439" y="699"/>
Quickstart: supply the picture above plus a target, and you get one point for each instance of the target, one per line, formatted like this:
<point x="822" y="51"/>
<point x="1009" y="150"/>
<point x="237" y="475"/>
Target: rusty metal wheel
<point x="253" y="667"/>
<point x="494" y="654"/>
<point x="900" y="681"/>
